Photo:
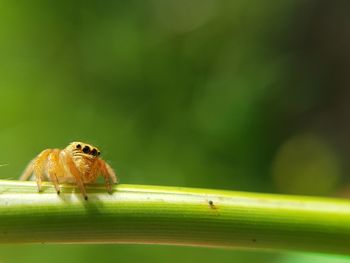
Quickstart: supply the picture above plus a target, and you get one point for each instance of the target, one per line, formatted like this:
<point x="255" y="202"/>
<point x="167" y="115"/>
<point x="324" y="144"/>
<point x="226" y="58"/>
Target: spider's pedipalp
<point x="72" y="169"/>
<point x="54" y="168"/>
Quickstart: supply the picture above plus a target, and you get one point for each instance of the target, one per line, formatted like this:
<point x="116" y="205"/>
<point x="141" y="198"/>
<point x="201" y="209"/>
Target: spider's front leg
<point x="108" y="174"/>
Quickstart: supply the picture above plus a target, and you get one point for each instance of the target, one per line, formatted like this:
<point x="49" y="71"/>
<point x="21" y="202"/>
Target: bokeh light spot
<point x="306" y="164"/>
<point x="182" y="15"/>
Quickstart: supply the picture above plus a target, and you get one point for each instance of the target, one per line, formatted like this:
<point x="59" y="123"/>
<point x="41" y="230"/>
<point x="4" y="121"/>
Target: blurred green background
<point x="240" y="95"/>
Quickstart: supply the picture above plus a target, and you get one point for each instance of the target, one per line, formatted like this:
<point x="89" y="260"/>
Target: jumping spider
<point x="78" y="163"/>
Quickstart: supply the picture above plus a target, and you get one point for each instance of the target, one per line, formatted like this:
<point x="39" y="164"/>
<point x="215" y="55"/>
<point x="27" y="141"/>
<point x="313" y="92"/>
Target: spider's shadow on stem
<point x="70" y="193"/>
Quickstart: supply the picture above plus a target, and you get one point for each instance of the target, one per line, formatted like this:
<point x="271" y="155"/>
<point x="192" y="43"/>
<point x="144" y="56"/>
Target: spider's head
<point x="80" y="148"/>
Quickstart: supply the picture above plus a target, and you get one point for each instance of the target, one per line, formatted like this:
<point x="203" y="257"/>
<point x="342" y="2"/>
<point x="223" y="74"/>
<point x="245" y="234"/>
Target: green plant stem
<point x="173" y="215"/>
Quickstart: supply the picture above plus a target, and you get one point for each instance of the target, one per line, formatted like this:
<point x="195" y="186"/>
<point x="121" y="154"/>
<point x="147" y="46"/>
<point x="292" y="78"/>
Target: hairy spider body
<point x="78" y="163"/>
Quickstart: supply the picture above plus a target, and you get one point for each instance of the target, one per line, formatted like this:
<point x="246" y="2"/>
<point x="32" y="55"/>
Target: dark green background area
<point x="239" y="95"/>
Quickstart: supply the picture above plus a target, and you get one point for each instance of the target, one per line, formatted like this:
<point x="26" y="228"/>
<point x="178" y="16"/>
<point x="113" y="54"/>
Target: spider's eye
<point x="86" y="149"/>
<point x="98" y="153"/>
<point x="94" y="152"/>
<point x="78" y="146"/>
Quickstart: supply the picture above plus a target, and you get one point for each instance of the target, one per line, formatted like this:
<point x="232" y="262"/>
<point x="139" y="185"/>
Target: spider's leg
<point x="108" y="175"/>
<point x="112" y="174"/>
<point x="28" y="171"/>
<point x="66" y="159"/>
<point x="39" y="165"/>
<point x="54" y="168"/>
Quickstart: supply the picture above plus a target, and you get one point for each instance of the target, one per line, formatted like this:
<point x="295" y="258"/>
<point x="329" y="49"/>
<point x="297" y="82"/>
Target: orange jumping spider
<point x="78" y="163"/>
